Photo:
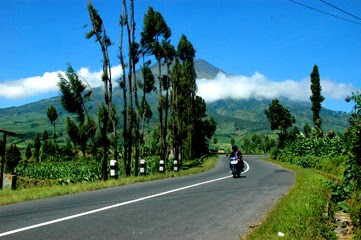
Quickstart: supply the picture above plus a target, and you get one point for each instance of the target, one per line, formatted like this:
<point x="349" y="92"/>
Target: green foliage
<point x="307" y="130"/>
<point x="73" y="131"/>
<point x="49" y="150"/>
<point x="45" y="135"/>
<point x="337" y="156"/>
<point x="257" y="144"/>
<point x="52" y="116"/>
<point x="339" y="194"/>
<point x="355" y="209"/>
<point x="154" y="27"/>
<point x="52" y="113"/>
<point x="73" y="94"/>
<point x="28" y="152"/>
<point x="300" y="214"/>
<point x="66" y="171"/>
<point x="316" y="97"/>
<point x="66" y="153"/>
<point x="313" y="146"/>
<point x="185" y="49"/>
<point x="280" y="119"/>
<point x="13" y="157"/>
<point x="328" y="154"/>
<point x="204" y="130"/>
<point x="37" y="146"/>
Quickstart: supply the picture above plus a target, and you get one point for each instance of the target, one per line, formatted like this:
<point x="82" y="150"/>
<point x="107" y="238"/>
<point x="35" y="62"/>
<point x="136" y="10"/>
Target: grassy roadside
<point x="8" y="196"/>
<point x="301" y="213"/>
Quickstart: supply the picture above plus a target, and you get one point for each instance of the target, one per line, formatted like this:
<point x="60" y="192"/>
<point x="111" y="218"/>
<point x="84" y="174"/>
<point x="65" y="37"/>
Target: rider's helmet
<point x="234" y="148"/>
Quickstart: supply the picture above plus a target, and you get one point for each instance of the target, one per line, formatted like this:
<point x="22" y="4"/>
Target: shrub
<point x="355" y="208"/>
<point x="13" y="157"/>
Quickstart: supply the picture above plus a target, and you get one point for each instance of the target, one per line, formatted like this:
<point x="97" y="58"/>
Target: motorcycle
<point x="236" y="171"/>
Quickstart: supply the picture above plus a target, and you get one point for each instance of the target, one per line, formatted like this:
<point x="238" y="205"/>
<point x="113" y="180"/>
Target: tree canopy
<point x="280" y="119"/>
<point x="316" y="97"/>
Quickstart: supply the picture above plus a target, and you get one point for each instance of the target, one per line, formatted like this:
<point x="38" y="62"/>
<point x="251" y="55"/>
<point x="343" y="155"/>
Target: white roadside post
<point x="161" y="166"/>
<point x="114" y="169"/>
<point x="143" y="167"/>
<point x="175" y="165"/>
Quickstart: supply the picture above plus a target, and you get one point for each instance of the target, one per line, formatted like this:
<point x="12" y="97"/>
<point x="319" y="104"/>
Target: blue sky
<point x="268" y="47"/>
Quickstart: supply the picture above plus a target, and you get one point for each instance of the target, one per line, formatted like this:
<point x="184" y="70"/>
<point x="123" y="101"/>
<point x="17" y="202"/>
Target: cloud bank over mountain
<point x="259" y="86"/>
<point x="221" y="87"/>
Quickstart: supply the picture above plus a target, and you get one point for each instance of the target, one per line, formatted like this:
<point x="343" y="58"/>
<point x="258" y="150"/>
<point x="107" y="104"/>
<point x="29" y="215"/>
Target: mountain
<point x="234" y="117"/>
<point x="203" y="69"/>
<point x="246" y="116"/>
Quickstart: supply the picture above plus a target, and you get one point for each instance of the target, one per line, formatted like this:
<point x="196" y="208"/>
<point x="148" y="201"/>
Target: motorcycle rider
<point x="237" y="153"/>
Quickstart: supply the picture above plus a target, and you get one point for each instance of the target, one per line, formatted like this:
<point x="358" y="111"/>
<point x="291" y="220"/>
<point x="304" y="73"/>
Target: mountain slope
<point x="247" y="116"/>
<point x="233" y="116"/>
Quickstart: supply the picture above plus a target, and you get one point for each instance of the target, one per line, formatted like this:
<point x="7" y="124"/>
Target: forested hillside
<point x="233" y="116"/>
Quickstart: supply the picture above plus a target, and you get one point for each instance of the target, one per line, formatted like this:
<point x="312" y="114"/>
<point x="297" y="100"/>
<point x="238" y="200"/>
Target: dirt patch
<point x="26" y="182"/>
<point x="343" y="226"/>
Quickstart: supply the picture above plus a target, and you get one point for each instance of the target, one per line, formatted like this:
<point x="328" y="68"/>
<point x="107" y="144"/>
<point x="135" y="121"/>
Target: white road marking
<point x="113" y="206"/>
<point x="247" y="168"/>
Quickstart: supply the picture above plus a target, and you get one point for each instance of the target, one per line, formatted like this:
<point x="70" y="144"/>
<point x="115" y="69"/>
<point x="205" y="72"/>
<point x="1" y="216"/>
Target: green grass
<point x="302" y="213"/>
<point x="8" y="196"/>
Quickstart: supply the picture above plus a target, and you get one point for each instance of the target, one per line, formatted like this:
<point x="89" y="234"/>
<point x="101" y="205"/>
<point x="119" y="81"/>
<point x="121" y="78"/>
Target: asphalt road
<point x="210" y="205"/>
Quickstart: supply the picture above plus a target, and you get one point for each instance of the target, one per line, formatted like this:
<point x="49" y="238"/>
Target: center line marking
<point x="112" y="206"/>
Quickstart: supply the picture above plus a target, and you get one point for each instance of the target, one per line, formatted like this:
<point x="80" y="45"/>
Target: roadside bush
<point x="332" y="166"/>
<point x="13" y="157"/>
<point x="303" y="146"/>
<point x="308" y="162"/>
<point x="355" y="208"/>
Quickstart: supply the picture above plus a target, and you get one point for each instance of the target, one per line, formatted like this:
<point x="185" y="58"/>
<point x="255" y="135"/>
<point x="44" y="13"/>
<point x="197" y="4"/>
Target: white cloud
<point x="32" y="86"/>
<point x="222" y="86"/>
<point x="258" y="86"/>
<point x="27" y="87"/>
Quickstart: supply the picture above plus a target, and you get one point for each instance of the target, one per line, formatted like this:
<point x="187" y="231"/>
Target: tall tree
<point x="177" y="104"/>
<point x="154" y="29"/>
<point x="203" y="128"/>
<point x="187" y="90"/>
<point x="106" y="112"/>
<point x="123" y="85"/>
<point x="129" y="84"/>
<point x="316" y="98"/>
<point x="145" y="111"/>
<point x="37" y="146"/>
<point x="280" y="119"/>
<point x="53" y="116"/>
<point x="134" y="56"/>
<point x="354" y="139"/>
<point x="169" y="54"/>
<point x="130" y="107"/>
<point x="13" y="157"/>
<point x="73" y="98"/>
<point x="28" y="152"/>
